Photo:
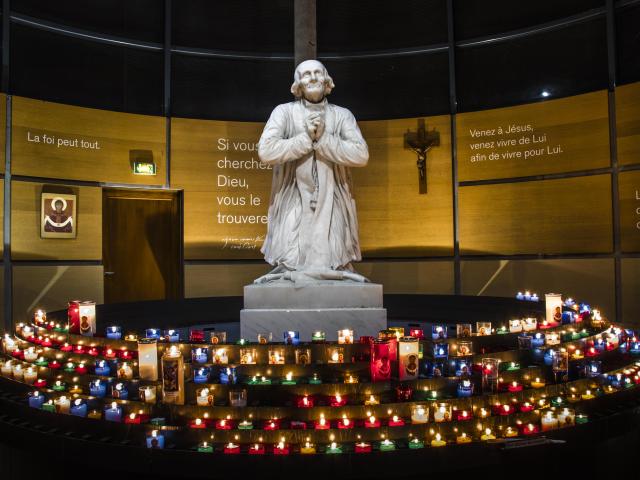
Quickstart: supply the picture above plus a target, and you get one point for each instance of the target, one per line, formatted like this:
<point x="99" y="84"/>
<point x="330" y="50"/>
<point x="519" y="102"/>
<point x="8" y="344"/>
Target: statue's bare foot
<point x="356" y="277"/>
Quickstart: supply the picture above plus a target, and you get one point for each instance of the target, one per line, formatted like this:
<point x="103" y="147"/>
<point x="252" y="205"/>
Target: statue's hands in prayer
<point x="315" y="126"/>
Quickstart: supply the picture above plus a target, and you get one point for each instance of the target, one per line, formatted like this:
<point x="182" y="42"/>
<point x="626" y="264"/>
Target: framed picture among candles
<point x="58" y="218"/>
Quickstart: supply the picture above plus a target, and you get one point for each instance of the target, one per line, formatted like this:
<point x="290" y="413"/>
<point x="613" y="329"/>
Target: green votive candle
<point x="315" y="380"/>
<point x="49" y="407"/>
<point x="334" y="448"/>
<point x="204" y="447"/>
<point x="387" y="446"/>
<point x="416" y="444"/>
<point x="581" y="419"/>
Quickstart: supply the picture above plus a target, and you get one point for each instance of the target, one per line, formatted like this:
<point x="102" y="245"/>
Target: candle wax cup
<point x="414" y="445"/>
<point x="205" y="449"/>
<point x="387" y="446"/>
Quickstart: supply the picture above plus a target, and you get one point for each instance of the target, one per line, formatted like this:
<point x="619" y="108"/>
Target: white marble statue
<point x="313" y="228"/>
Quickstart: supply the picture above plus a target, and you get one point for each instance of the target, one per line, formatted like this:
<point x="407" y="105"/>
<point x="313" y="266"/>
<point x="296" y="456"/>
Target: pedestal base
<point x="328" y="306"/>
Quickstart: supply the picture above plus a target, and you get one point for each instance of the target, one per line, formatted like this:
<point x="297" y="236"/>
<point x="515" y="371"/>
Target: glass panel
<point x="139" y="19"/>
<point x="561" y="62"/>
<point x="628" y="43"/>
<point x="68" y="70"/>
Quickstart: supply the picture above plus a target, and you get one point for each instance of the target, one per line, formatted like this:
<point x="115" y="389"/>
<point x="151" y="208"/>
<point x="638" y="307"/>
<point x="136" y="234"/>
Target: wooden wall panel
<point x="563" y="135"/>
<point x="2" y="214"/>
<point x="628" y="123"/>
<point x="629" y="194"/>
<point x="587" y="279"/>
<point x="395" y="219"/>
<point x="630" y="289"/>
<point x="26" y="243"/>
<point x="116" y="134"/>
<point x="570" y="215"/>
<point x="51" y="287"/>
<point x="198" y="150"/>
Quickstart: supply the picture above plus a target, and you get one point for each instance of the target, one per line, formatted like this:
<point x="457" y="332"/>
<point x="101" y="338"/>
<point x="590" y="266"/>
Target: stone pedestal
<point x="322" y="305"/>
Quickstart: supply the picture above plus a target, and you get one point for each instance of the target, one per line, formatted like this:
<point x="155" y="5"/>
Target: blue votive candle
<point x="172" y="336"/>
<point x="228" y="376"/>
<point x="155" y="440"/>
<point x="537" y="340"/>
<point x="120" y="391"/>
<point x="201" y="375"/>
<point x="441" y="350"/>
<point x="152" y="333"/>
<point x="291" y="337"/>
<point x="98" y="389"/>
<point x="102" y="368"/>
<point x="113" y="413"/>
<point x="199" y="355"/>
<point x="465" y="389"/>
<point x="36" y="399"/>
<point x="78" y="408"/>
<point x="114" y="332"/>
<point x="548" y="357"/>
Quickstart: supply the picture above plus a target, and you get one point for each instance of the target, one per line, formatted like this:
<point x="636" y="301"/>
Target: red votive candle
<point x="345" y="424"/>
<point x="416" y="332"/>
<point x="297" y="425"/>
<point x="93" y="351"/>
<point x="305" y="401"/>
<point x="66" y="348"/>
<point x="46" y="342"/>
<point x="79" y="349"/>
<point x="322" y="424"/>
<point x="526" y="407"/>
<point x="362" y="447"/>
<point x="271" y="425"/>
<point x="281" y="449"/>
<point x="256" y="449"/>
<point x="338" y="401"/>
<point x="40" y="383"/>
<point x="55" y="365"/>
<point x="462" y="415"/>
<point x="396" y="421"/>
<point x="198" y="424"/>
<point x="224" y="424"/>
<point x="529" y="429"/>
<point x="81" y="369"/>
<point x="109" y="353"/>
<point x="514" y="387"/>
<point x="372" y="422"/>
<point x="17" y="353"/>
<point x="232" y="449"/>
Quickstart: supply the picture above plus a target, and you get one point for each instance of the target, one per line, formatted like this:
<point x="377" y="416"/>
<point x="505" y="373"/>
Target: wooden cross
<point x="421" y="141"/>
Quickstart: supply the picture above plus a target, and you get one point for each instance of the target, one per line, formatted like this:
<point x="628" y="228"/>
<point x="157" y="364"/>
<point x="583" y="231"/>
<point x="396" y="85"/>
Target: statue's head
<point x="311" y="81"/>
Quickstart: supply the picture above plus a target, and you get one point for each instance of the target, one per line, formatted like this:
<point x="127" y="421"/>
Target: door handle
<point x="109" y="274"/>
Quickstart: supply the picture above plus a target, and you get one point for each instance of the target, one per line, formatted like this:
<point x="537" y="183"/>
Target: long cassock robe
<point x="312" y="222"/>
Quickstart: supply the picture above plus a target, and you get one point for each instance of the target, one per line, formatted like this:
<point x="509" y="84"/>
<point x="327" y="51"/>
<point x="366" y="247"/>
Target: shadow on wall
<point x="51" y="287"/>
<point x="590" y="280"/>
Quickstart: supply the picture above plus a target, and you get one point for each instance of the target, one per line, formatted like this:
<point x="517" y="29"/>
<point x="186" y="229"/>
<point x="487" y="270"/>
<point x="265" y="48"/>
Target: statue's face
<point x="312" y="78"/>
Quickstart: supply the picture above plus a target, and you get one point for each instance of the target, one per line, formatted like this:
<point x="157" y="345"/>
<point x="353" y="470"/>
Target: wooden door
<point x="142" y="245"/>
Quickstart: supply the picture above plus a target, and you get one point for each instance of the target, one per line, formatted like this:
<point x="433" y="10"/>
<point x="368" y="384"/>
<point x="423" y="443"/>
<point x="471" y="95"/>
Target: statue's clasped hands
<point x="315" y="126"/>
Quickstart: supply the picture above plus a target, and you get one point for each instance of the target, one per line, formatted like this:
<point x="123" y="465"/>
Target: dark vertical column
<point x="304" y="30"/>
<point x="613" y="150"/>
<point x="166" y="101"/>
<point x="453" y="108"/>
<point x="6" y="253"/>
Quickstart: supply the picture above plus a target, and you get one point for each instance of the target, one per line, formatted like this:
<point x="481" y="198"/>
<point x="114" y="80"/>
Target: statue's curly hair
<point x="296" y="89"/>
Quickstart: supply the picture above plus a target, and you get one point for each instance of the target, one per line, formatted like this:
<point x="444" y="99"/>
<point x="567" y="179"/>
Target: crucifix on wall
<point x="421" y="141"/>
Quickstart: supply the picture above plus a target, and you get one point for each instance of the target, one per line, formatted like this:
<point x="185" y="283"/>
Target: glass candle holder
<point x="148" y="394"/>
<point x="303" y="356"/>
<point x="345" y="336"/>
<point x="264" y="338"/>
<point x="438" y="332"/>
<point x="529" y="324"/>
<point x="201" y="375"/>
<point x="548" y="421"/>
<point x="515" y="325"/>
<point x="248" y="356"/>
<point x="525" y="342"/>
<point x="335" y="355"/>
<point x="419" y="414"/>
<point x="204" y="397"/>
<point x="465" y="388"/>
<point x="196" y="336"/>
<point x="291" y="337"/>
<point x="199" y="355"/>
<point x="238" y="398"/>
<point x="218" y="337"/>
<point x="553" y="307"/>
<point x="73" y="316"/>
<point x="408" y="350"/>
<point x="551" y="339"/>
<point x="173" y="376"/>
<point x="593" y="368"/>
<point x="380" y="361"/>
<point x="318" y="337"/>
<point x="148" y="359"/>
<point x="442" y="412"/>
<point x="228" y="375"/>
<point x="464" y="348"/>
<point x="441" y="350"/>
<point x="463" y="330"/>
<point x="114" y="332"/>
<point x="483" y="328"/>
<point x="276" y="356"/>
<point x="219" y="356"/>
<point x="490" y="373"/>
